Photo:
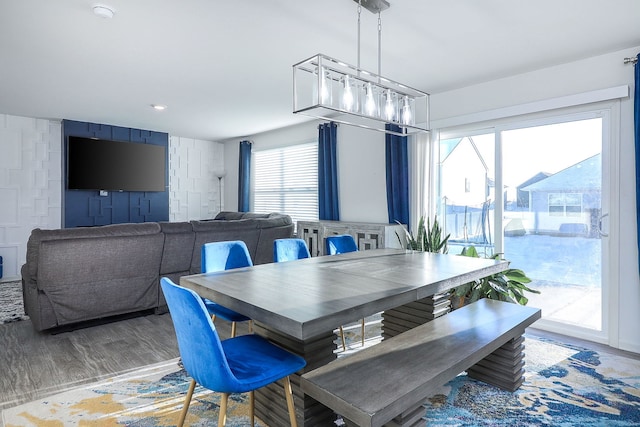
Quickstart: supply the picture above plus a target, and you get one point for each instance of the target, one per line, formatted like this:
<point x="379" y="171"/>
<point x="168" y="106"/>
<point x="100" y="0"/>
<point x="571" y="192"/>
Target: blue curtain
<point x="397" y="161"/>
<point x="328" y="206"/>
<point x="636" y="116"/>
<point x="244" y="177"/>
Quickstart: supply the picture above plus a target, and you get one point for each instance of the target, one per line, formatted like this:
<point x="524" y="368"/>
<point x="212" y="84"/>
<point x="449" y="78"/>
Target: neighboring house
<point x="468" y="190"/>
<point x="569" y="201"/>
<point x="522" y="198"/>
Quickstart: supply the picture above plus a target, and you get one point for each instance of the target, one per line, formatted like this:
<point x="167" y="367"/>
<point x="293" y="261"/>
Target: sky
<point x="548" y="148"/>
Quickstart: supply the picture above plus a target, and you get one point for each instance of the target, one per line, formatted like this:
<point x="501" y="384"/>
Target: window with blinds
<point x="286" y="180"/>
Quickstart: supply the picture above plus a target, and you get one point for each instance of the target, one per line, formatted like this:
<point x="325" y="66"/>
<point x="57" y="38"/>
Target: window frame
<point x="285" y="192"/>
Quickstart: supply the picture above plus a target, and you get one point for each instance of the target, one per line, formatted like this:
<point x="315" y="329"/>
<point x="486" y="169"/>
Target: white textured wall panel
<point x="30" y="184"/>
<point x="10" y="149"/>
<point x="194" y="189"/>
<point x="9" y="210"/>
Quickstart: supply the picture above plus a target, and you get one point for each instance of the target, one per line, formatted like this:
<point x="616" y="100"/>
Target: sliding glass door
<point x="534" y="192"/>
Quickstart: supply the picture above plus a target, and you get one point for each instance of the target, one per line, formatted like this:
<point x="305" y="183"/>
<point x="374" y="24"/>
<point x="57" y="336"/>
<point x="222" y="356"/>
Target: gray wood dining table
<point x="299" y="304"/>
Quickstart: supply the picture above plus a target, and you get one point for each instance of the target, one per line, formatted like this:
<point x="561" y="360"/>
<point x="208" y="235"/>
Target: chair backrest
<point x="340" y="244"/>
<point x="198" y="341"/>
<point x="289" y="250"/>
<point x="220" y="256"/>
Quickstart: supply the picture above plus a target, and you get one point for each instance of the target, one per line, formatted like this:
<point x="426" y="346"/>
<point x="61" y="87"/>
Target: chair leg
<point x="289" y="395"/>
<point x="187" y="401"/>
<point x="252" y="412"/>
<point x="250" y="326"/>
<point x="344" y="347"/>
<point x="222" y="417"/>
<point x="363" y="332"/>
<point x="233" y="329"/>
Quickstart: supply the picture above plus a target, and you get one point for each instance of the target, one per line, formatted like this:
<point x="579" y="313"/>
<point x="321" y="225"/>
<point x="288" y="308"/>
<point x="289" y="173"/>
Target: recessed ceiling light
<point x="159" y="107"/>
<point x="103" y="11"/>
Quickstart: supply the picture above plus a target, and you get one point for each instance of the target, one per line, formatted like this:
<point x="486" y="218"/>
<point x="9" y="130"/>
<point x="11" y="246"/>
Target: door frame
<point x="609" y="111"/>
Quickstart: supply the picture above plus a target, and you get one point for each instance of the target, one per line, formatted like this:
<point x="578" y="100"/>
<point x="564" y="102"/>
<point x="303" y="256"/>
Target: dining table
<point x="300" y="304"/>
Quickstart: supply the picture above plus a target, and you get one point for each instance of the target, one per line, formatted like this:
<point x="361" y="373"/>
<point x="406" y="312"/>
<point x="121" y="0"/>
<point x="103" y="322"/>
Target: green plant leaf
<point x="470" y="252"/>
<point x="508" y="285"/>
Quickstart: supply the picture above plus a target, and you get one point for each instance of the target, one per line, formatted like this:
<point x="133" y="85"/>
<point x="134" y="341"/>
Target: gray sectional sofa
<point x="79" y="274"/>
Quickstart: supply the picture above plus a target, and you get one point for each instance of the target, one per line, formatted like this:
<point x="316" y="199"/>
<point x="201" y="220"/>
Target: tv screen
<point x="98" y="164"/>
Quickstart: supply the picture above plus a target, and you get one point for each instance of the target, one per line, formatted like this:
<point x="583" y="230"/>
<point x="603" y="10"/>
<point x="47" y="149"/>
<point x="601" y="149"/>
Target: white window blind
<point x="286" y="181"/>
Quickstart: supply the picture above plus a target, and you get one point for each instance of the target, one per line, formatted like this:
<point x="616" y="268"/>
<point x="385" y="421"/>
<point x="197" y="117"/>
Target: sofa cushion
<point x="275" y="220"/>
<point x="38" y="235"/>
<point x="97" y="277"/>
<point x="229" y="215"/>
<point x="178" y="247"/>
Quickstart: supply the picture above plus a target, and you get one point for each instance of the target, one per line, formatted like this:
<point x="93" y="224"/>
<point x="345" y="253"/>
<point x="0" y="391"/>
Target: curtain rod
<point x="630" y="60"/>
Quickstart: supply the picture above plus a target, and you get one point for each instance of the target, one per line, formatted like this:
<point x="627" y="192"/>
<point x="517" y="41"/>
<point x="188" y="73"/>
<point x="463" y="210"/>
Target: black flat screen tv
<point x="99" y="164"/>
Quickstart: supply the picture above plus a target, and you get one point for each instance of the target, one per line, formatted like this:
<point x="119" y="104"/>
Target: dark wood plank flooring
<point x="34" y="364"/>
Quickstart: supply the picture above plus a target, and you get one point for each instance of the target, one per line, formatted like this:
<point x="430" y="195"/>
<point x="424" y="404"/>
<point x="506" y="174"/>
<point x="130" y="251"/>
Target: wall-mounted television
<point x="99" y="164"/>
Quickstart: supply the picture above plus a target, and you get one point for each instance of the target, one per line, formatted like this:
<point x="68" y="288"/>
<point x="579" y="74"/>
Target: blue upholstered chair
<point x="236" y="365"/>
<point x="220" y="256"/>
<point x="290" y="249"/>
<point x="340" y="244"/>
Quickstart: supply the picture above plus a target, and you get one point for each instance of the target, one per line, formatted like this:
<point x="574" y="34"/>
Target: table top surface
<point x="309" y="297"/>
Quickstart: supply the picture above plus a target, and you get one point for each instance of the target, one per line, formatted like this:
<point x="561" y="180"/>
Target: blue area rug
<point x="148" y="397"/>
<point x="565" y="386"/>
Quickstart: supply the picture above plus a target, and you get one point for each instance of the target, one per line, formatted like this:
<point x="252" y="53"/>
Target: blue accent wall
<point x="85" y="208"/>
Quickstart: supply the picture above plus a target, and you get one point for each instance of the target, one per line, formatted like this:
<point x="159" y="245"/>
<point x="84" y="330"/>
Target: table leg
<point x="408" y="316"/>
<point x="271" y="405"/>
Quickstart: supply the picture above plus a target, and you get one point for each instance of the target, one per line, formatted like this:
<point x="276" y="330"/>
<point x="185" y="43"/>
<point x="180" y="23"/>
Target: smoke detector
<point x="103" y="11"/>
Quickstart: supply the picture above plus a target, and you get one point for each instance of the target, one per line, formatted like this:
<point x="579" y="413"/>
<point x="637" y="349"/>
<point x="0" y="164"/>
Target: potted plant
<point x="428" y="238"/>
<point x="508" y="285"/>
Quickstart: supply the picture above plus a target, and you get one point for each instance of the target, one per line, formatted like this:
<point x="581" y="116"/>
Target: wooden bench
<point x="387" y="384"/>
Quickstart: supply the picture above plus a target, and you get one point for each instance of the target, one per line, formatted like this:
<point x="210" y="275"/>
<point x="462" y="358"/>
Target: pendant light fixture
<point x="328" y="89"/>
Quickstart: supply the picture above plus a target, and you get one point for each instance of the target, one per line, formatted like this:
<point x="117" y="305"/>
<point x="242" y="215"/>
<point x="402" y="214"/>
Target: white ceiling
<point x="224" y="67"/>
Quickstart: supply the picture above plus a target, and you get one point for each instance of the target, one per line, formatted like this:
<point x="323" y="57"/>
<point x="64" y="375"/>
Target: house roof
<point x="585" y="176"/>
<point x="537" y="177"/>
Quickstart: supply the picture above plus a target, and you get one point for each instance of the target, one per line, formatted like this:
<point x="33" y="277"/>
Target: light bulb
<point x="347" y="95"/>
<point x="389" y="108"/>
<point x="370" y="102"/>
<point x="407" y="116"/>
<point x="325" y="95"/>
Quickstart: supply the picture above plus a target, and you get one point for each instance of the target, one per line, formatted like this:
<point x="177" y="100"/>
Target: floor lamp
<point x="220" y="175"/>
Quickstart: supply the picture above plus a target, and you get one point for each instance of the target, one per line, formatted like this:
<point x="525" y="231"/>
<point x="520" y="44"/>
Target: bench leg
<point x="504" y="368"/>
<point x="414" y="417"/>
<point x="408" y="316"/>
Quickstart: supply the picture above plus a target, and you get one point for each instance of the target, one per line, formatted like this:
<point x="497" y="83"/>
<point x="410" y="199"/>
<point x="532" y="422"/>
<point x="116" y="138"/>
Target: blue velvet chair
<point x="340" y="244"/>
<point x="289" y="250"/>
<point x="236" y="365"/>
<point x="220" y="256"/>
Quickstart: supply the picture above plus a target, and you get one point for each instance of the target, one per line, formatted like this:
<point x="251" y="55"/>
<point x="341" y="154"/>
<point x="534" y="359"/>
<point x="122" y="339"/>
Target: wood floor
<point x="34" y="365"/>
<point x="37" y="364"/>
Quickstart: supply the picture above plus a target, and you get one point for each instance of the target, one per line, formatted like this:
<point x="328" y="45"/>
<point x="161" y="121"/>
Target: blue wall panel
<point x="85" y="208"/>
